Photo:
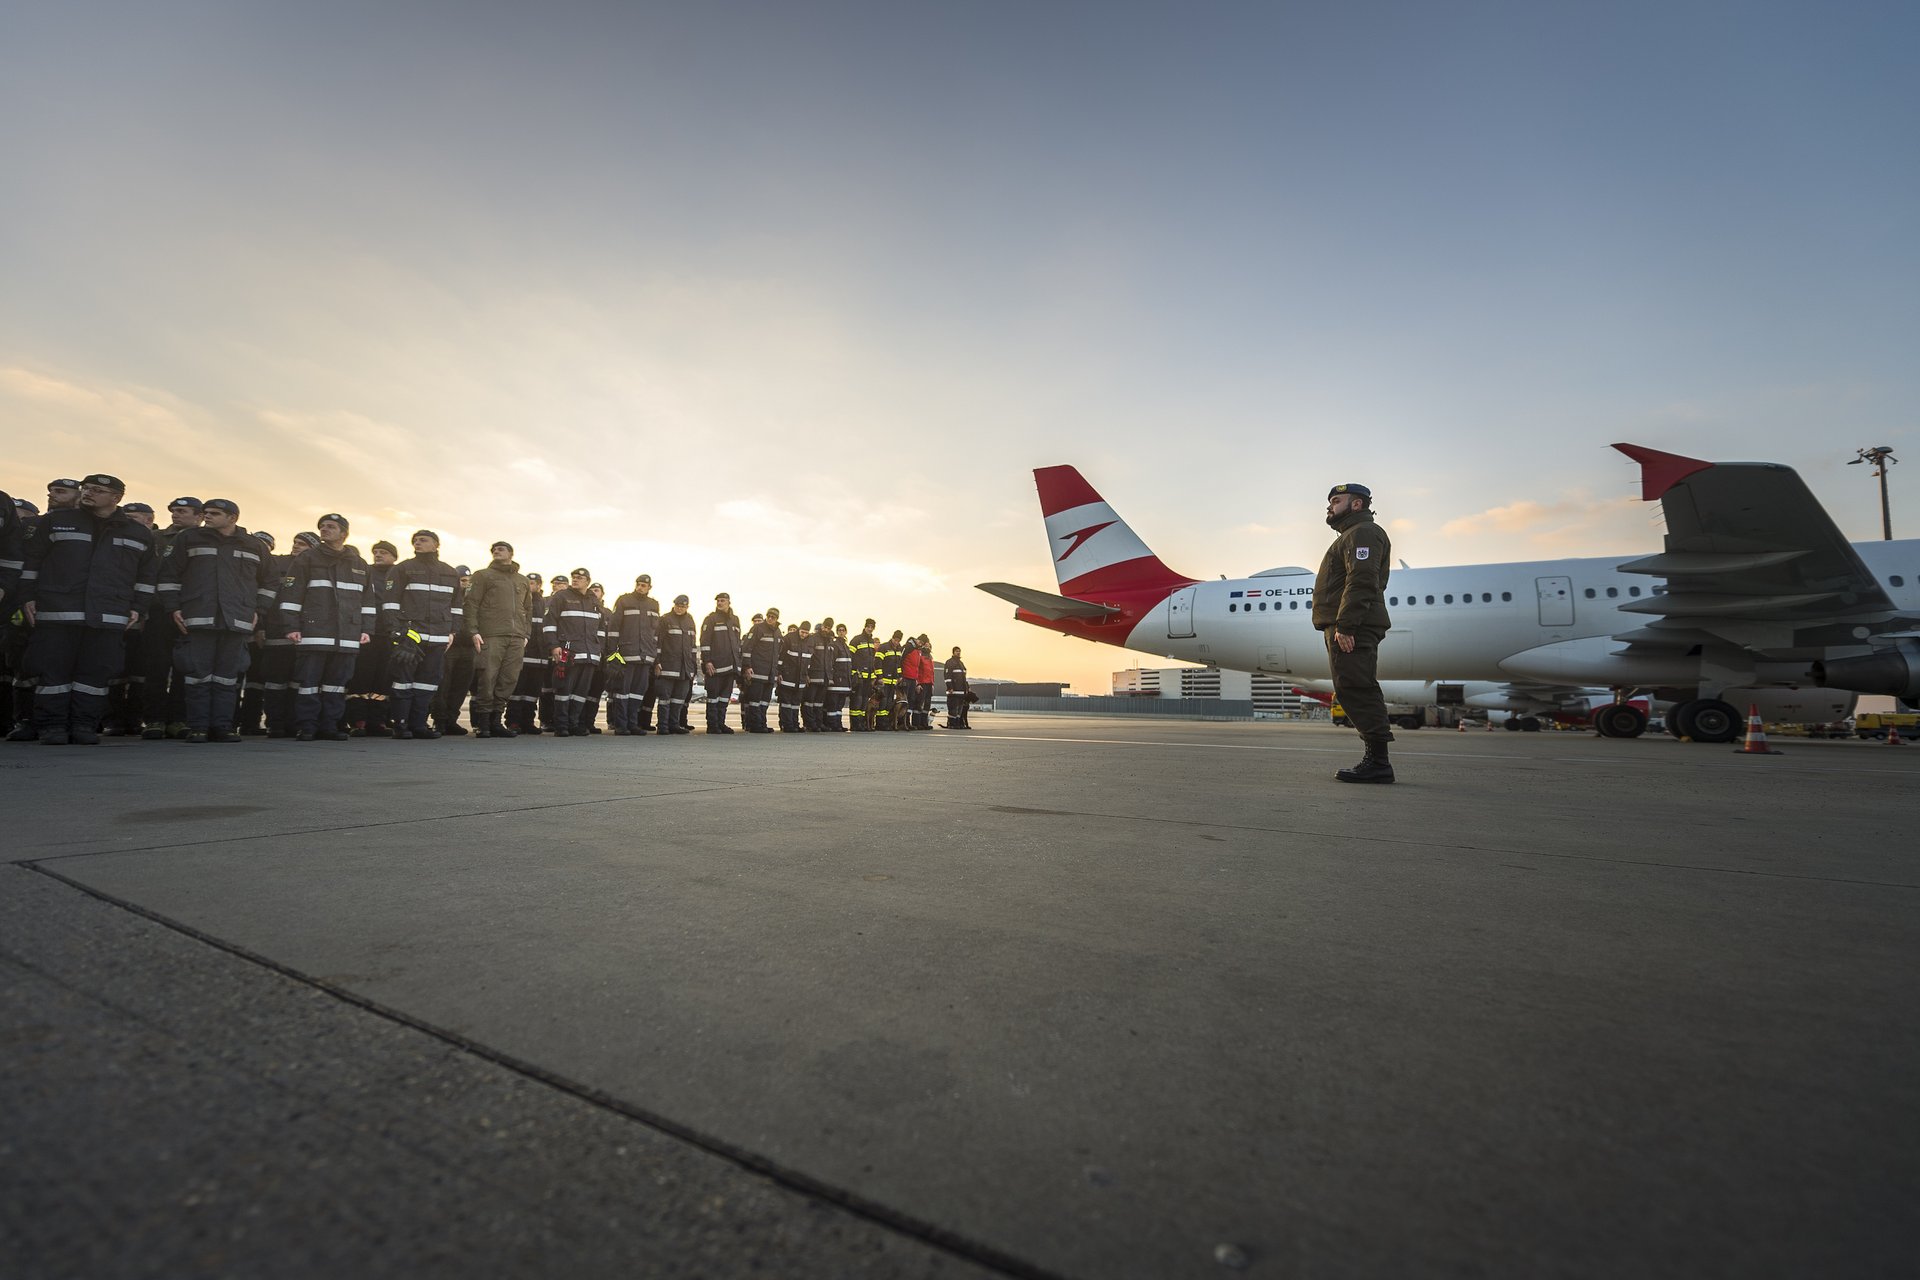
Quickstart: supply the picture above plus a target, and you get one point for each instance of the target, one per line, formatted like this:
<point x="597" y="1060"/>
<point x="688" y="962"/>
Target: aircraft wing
<point x="1045" y="604"/>
<point x="1751" y="559"/>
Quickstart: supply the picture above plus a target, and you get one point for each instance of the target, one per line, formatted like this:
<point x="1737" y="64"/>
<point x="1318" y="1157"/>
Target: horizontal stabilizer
<point x="1047" y="605"/>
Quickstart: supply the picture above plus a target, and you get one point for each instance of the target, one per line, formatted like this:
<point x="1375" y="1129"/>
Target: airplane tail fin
<point x="1094" y="552"/>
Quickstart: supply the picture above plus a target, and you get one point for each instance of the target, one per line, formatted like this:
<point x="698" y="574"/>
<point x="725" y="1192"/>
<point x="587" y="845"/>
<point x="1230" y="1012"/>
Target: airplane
<point x="1757" y="598"/>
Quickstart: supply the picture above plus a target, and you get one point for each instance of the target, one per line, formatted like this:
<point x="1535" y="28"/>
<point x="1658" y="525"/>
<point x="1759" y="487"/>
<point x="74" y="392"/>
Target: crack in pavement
<point x="928" y="1233"/>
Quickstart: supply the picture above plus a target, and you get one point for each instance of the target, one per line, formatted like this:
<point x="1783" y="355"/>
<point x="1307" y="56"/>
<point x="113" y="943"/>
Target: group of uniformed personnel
<point x="196" y="629"/>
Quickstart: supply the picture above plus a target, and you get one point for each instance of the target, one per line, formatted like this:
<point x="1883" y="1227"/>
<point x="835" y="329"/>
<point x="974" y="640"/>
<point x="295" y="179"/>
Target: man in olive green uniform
<point x="1350" y="607"/>
<point x="499" y="612"/>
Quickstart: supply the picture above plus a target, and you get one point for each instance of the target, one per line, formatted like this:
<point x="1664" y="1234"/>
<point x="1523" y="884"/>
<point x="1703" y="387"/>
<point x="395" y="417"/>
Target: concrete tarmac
<point x="1075" y="997"/>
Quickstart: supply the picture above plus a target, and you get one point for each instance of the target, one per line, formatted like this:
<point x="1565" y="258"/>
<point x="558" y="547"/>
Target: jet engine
<point x="1894" y="671"/>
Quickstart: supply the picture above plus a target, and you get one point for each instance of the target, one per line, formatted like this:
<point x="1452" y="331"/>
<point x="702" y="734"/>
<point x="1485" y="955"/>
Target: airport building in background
<point x="1270" y="695"/>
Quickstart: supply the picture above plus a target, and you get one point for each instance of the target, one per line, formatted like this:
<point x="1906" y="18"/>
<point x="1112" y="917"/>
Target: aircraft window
<point x="1448" y="600"/>
<point x="1612" y="592"/>
<point x="1589" y="593"/>
<point x="1429" y="599"/>
<point x="1507" y="596"/>
<point x="1633" y="591"/>
<point x="1396" y="599"/>
<point x="1293" y="604"/>
<point x="1486" y="597"/>
<point x="1897" y="580"/>
<point x="1233" y="608"/>
<point x="1263" y="606"/>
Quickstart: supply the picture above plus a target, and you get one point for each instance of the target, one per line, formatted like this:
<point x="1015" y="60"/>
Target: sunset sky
<point x="789" y="299"/>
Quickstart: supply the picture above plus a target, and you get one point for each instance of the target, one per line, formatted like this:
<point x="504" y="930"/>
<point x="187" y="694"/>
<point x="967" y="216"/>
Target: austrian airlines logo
<point x="1080" y="538"/>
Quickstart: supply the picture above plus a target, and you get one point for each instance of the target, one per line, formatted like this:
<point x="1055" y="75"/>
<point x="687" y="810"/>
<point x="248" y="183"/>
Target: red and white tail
<point x="1093" y="550"/>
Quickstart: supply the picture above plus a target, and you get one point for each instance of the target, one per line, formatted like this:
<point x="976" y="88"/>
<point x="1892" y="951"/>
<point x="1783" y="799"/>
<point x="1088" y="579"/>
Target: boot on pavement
<point x="1374" y="768"/>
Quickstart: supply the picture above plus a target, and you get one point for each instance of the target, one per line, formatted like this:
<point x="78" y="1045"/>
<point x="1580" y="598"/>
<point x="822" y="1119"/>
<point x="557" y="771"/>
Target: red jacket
<point x="918" y="667"/>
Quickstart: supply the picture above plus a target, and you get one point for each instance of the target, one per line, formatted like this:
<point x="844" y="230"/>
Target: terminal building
<point x="1271" y="696"/>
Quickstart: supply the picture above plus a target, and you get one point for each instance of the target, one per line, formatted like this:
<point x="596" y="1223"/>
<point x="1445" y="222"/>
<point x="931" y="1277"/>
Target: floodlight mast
<point x="1880" y="457"/>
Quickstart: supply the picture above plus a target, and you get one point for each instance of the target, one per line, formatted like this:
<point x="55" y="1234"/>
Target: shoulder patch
<point x="1361" y="553"/>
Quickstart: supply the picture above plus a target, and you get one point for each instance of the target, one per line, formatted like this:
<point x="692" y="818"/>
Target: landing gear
<point x="1706" y="720"/>
<point x="1619" y="720"/>
<point x="1523" y="724"/>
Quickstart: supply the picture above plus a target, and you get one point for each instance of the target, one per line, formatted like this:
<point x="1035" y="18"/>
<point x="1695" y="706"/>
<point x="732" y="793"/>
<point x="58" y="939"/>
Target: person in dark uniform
<point x="678" y="658"/>
<point x="761" y="658"/>
<point x="156" y="683"/>
<point x="1350" y="608"/>
<point x="123" y="695"/>
<point x="328" y="607"/>
<point x="253" y="688"/>
<point x="720" y="655"/>
<point x="552" y="717"/>
<point x="839" y="678"/>
<point x="16" y="711"/>
<point x="818" y="651"/>
<point x="888" y="657"/>
<point x="575" y="639"/>
<point x="457" y="666"/>
<point x="276" y="650"/>
<point x="13" y="546"/>
<point x="214" y="586"/>
<point x="959" y="697"/>
<point x="792" y="680"/>
<point x="367" y="701"/>
<point x="524" y="705"/>
<point x="862" y="672"/>
<point x="640" y="712"/>
<point x="608" y="635"/>
<point x="86" y="578"/>
<point x="425" y="604"/>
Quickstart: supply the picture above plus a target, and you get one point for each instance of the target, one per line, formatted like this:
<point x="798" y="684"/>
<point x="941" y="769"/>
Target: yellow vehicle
<point x="1338" y="712"/>
<point x="1874" y="724"/>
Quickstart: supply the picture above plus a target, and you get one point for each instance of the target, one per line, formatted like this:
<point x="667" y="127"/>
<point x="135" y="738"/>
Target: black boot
<point x="1374" y="768"/>
<point x="499" y="726"/>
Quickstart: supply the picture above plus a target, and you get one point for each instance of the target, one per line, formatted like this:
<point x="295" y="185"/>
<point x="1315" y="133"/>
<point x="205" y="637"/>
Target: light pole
<point x="1880" y="457"/>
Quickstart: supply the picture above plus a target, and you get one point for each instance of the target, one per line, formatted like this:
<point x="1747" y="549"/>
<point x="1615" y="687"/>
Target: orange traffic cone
<point x="1893" y="736"/>
<point x="1756" y="743"/>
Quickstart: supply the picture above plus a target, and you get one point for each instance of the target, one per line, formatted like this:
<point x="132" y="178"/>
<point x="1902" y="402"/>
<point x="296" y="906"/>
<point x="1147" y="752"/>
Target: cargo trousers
<point x="500" y="664"/>
<point x="1356" y="683"/>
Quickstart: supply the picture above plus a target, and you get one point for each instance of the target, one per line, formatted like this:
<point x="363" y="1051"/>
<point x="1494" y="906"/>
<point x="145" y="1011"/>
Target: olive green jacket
<point x="499" y="601"/>
<point x="1350" y="593"/>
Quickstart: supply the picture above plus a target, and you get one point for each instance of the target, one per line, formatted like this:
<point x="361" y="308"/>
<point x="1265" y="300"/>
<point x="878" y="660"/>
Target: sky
<point x="788" y="300"/>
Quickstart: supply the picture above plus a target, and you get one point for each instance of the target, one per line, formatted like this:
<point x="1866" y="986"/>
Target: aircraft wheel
<point x="1620" y="720"/>
<point x="1512" y="724"/>
<point x="1708" y="720"/>
<point x="1530" y="724"/>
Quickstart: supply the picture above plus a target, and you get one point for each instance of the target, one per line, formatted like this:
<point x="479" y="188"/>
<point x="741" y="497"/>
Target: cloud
<point x="1573" y="523"/>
